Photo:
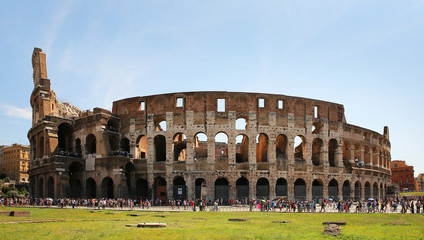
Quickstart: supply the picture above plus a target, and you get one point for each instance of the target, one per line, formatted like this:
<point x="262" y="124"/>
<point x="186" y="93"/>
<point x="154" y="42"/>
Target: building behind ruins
<point x="403" y="175"/>
<point x="14" y="162"/>
<point x="202" y="145"/>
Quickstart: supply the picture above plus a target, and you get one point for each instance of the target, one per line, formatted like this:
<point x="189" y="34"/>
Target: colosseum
<point x="209" y="145"/>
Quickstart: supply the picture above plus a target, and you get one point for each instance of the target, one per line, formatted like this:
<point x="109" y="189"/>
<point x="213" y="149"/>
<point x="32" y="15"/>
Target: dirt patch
<point x="284" y="221"/>
<point x="332" y="229"/>
<point x="398" y="223"/>
<point x="238" y="219"/>
<point x="335" y="222"/>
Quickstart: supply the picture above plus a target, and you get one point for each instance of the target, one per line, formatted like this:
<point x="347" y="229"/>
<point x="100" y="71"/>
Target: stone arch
<point x="374" y="156"/>
<point x="381" y="190"/>
<point x="262" y="188"/>
<point x="41" y="147"/>
<point x="317" y="127"/>
<point x="346" y="190"/>
<point x="112" y="125"/>
<point x="281" y="187"/>
<point x="160" y="148"/>
<point x="357" y="152"/>
<point x="41" y="187"/>
<point x="200" y="146"/>
<point x="242" y="188"/>
<point x="90" y="189"/>
<point x="78" y="148"/>
<point x="380" y="157"/>
<point x="76" y="171"/>
<point x="367" y="159"/>
<point x="160" y="125"/>
<point x="346" y="153"/>
<point x="141" y="145"/>
<point x="300" y="189"/>
<point x="130" y="175"/>
<point x="357" y="190"/>
<point x="180" y="147"/>
<point x="375" y="190"/>
<point x="50" y="187"/>
<point x="367" y="190"/>
<point x="221" y="189"/>
<point x="124" y="145"/>
<point x="65" y="137"/>
<point x="333" y="188"/>
<point x="201" y="189"/>
<point x="242" y="148"/>
<point x="332" y="150"/>
<point x="107" y="187"/>
<point x="281" y="147"/>
<point x="160" y="188"/>
<point x="317" y="149"/>
<point x="142" y="188"/>
<point x="90" y="144"/>
<point x="114" y="143"/>
<point x="299" y="147"/>
<point x="179" y="188"/>
<point x="262" y="147"/>
<point x="221" y="145"/>
<point x="317" y="189"/>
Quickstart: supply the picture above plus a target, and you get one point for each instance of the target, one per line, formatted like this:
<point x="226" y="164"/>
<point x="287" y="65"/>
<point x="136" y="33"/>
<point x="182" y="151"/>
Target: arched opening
<point x="33" y="149"/>
<point x="375" y="190"/>
<point x="332" y="148"/>
<point x="124" y="145"/>
<point x="262" y="148"/>
<point x="367" y="190"/>
<point x="317" y="127"/>
<point x="41" y="188"/>
<point x="200" y="191"/>
<point x="161" y="126"/>
<point x="300" y="189"/>
<point x="241" y="124"/>
<point x="381" y="191"/>
<point x="41" y="148"/>
<point x="242" y="148"/>
<point x="142" y="146"/>
<point x="242" y="188"/>
<point x="346" y="154"/>
<point x="65" y="137"/>
<point x="114" y="144"/>
<point x="180" y="188"/>
<point x="142" y="189"/>
<point x="76" y="171"/>
<point x="107" y="187"/>
<point x="50" y="187"/>
<point x="112" y="125"/>
<point x="367" y="159"/>
<point x="374" y="157"/>
<point x="78" y="148"/>
<point x="221" y="146"/>
<point x="317" y="151"/>
<point x="333" y="189"/>
<point x="357" y="191"/>
<point x="90" y="144"/>
<point x="299" y="147"/>
<point x="346" y="190"/>
<point x="160" y="188"/>
<point x="262" y="188"/>
<point x="90" y="189"/>
<point x="317" y="189"/>
<point x="357" y="152"/>
<point x="281" y="147"/>
<point x="180" y="147"/>
<point x="380" y="159"/>
<point x="130" y="175"/>
<point x="200" y="146"/>
<point x="281" y="187"/>
<point x="160" y="148"/>
<point x="221" y="189"/>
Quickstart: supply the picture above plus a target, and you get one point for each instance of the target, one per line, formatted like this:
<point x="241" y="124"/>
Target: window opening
<point x="221" y="105"/>
<point x="261" y="103"/>
<point x="280" y="104"/>
<point x="180" y="102"/>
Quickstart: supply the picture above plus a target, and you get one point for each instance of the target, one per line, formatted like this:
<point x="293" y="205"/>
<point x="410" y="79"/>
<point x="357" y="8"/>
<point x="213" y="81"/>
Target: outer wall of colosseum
<point x="202" y="145"/>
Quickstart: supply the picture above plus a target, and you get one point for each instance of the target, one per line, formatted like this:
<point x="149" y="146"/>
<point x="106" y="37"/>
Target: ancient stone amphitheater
<point x="211" y="145"/>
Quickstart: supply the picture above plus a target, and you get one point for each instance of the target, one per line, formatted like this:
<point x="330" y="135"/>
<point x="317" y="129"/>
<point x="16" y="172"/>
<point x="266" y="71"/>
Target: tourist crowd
<point x="394" y="205"/>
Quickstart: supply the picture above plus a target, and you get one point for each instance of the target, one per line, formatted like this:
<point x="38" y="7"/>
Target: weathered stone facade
<point x="202" y="144"/>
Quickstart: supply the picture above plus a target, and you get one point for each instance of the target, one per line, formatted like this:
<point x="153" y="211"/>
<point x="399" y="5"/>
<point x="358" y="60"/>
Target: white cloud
<point x="16" y="112"/>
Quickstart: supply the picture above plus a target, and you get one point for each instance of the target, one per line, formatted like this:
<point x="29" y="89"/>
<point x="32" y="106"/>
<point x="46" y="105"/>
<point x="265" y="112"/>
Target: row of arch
<point x="366" y="154"/>
<point x="221" y="189"/>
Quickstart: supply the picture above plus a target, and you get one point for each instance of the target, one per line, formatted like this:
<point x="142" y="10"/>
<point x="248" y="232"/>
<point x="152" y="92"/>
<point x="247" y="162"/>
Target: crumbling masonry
<point x="201" y="145"/>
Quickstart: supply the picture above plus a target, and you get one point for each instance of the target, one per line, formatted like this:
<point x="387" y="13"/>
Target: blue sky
<point x="366" y="55"/>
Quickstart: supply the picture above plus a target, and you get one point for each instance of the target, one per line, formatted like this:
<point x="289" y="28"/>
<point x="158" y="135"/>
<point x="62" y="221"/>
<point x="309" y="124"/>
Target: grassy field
<point x="83" y="224"/>
<point x="412" y="193"/>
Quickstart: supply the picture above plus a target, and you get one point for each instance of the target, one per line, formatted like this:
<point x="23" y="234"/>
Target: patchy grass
<point x="82" y="224"/>
<point x="419" y="194"/>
